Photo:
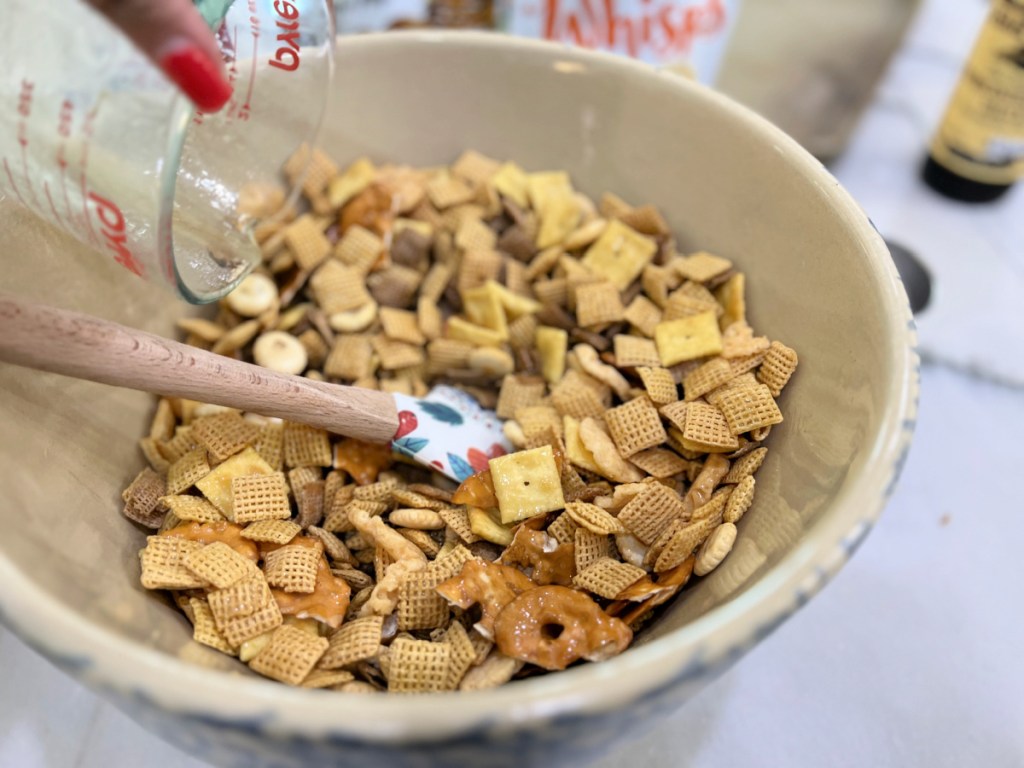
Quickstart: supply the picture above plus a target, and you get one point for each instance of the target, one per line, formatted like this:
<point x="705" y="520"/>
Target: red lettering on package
<point x="645" y="29"/>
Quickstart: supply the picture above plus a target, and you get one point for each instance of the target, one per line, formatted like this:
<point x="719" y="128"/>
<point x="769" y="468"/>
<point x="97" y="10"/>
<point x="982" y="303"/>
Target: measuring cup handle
<point x="85" y="347"/>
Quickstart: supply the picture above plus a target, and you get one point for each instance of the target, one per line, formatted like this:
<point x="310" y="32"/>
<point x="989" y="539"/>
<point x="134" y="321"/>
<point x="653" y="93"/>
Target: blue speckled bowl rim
<point x="698" y="651"/>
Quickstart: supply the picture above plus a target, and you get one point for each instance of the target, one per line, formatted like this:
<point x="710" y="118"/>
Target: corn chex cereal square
<point x="589" y="547"/>
<point x="475" y="167"/>
<point x="192" y="509"/>
<point x="705" y="429"/>
<point x="272" y="531"/>
<point x="359" y="249"/>
<point x="597" y="304"/>
<point x="709" y="376"/>
<point x="290" y="655"/>
<point x="204" y="630"/>
<point x="419" y="604"/>
<point x="306" y="446"/>
<point x="239" y="601"/>
<point x="749" y="408"/>
<point x="397" y="354"/>
<point x="163" y="563"/>
<point x="270" y="445"/>
<point x="224" y="434"/>
<point x="259" y="497"/>
<point x="338" y="287"/>
<point x="745" y="466"/>
<point x="606" y="577"/>
<point x="701" y="266"/>
<point x="651" y="511"/>
<point x="659" y="462"/>
<point x="445" y="190"/>
<point x="572" y="397"/>
<point x="778" y="366"/>
<point x="457" y="518"/>
<point x="307" y="243"/>
<point x="644" y="315"/>
<point x="634" y="351"/>
<point x="659" y="383"/>
<point x="635" y="426"/>
<point x="518" y="392"/>
<point x="219" y="564"/>
<point x="293" y="567"/>
<point x="462" y="655"/>
<point x="356" y="640"/>
<point x="401" y="325"/>
<point x="350" y="358"/>
<point x="418" y="666"/>
<point x="187" y="471"/>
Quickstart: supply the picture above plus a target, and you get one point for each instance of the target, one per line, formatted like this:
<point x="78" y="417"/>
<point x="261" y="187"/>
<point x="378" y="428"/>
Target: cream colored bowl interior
<point x="818" y="278"/>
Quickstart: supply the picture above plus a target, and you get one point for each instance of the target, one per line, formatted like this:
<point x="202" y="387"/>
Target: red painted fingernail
<point x="197" y="76"/>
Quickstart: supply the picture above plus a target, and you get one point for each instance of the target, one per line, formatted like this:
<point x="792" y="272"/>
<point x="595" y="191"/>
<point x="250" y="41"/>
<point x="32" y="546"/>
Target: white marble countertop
<point x="911" y="657"/>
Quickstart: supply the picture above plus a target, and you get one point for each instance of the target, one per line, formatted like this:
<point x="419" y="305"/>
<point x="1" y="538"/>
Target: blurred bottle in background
<point x="978" y="151"/>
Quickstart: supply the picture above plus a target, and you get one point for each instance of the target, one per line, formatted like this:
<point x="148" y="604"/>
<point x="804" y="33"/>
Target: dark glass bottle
<point x="978" y="151"/>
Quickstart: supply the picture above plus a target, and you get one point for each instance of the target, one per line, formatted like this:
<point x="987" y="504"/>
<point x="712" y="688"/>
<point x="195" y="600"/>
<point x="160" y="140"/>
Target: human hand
<point x="176" y="39"/>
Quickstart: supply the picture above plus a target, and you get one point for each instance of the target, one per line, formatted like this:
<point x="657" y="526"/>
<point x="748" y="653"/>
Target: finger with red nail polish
<point x="174" y="36"/>
<point x="193" y="72"/>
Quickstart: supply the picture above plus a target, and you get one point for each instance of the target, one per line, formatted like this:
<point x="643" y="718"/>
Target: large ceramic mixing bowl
<point x="818" y="276"/>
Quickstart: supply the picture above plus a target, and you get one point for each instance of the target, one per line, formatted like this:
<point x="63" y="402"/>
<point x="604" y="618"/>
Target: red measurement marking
<point x="14" y="186"/>
<point x="25" y="98"/>
<point x="53" y="208"/>
<point x="83" y="166"/>
<point x="64" y="189"/>
<point x="24" y="172"/>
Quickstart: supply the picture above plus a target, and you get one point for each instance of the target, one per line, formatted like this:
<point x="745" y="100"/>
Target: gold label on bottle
<point x="981" y="136"/>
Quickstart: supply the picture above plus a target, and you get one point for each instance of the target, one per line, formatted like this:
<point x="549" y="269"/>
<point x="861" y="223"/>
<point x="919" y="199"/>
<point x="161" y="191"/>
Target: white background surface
<point x="912" y="656"/>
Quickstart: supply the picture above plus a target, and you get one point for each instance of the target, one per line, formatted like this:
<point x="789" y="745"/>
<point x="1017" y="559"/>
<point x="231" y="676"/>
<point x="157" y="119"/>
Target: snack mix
<point x="634" y="392"/>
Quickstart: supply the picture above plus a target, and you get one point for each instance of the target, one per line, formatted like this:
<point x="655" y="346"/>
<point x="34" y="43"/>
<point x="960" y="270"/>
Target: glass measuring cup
<point x="94" y="138"/>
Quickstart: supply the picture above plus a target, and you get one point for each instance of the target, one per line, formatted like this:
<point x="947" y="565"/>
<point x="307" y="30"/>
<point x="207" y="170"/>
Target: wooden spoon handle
<point x="85" y="347"/>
